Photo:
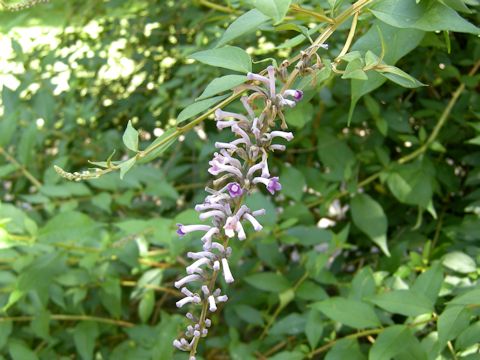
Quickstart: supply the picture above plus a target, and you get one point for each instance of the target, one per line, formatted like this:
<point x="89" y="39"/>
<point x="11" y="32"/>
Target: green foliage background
<point x="86" y="268"/>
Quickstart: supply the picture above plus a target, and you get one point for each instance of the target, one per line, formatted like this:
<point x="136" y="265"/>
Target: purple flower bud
<point x="179" y="230"/>
<point x="274" y="185"/>
<point x="234" y="189"/>
<point x="296" y="94"/>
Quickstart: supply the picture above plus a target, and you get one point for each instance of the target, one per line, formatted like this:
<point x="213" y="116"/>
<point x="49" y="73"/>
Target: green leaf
<point x="288" y="355"/>
<point x="268" y="281"/>
<point x="5" y="331"/>
<point x="471" y="297"/>
<point x="293" y="182"/>
<point x="84" y="336"/>
<point x="474" y="141"/>
<point x="198" y="107"/>
<point x="130" y="137"/>
<point x="369" y="217"/>
<point x="354" y="70"/>
<point x="244" y="24"/>
<point x="451" y="323"/>
<point x="314" y="328"/>
<point x="249" y="314"/>
<point x="222" y="84"/>
<point x="413" y="183"/>
<point x="363" y="284"/>
<point x="426" y="16"/>
<point x="468" y="337"/>
<point x="111" y="296"/>
<point x="228" y="57"/>
<point x="457" y="5"/>
<point x="399" y="76"/>
<point x="126" y="165"/>
<point x="146" y="305"/>
<point x="292" y="324"/>
<point x="335" y="155"/>
<point x="405" y="302"/>
<point x="309" y="235"/>
<point x="41" y="324"/>
<point x="459" y="262"/>
<point x="353" y="313"/>
<point x="18" y="350"/>
<point x="399" y="42"/>
<point x="301" y="114"/>
<point x="429" y="282"/>
<point x="371" y="59"/>
<point x="70" y="226"/>
<point x="391" y="342"/>
<point x="8" y="125"/>
<point x="276" y="9"/>
<point x="345" y="349"/>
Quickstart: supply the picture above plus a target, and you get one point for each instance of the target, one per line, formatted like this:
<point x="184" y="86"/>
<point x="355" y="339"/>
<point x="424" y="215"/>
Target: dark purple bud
<point x="234" y="189"/>
<point x="274" y="185"/>
<point x="179" y="230"/>
<point x="298" y="95"/>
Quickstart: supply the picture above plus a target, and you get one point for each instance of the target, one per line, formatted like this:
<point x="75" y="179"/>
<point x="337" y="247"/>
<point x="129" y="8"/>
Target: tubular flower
<point x="239" y="166"/>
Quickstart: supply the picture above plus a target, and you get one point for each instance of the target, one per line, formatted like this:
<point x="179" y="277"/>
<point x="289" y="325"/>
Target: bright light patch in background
<point x="40" y="123"/>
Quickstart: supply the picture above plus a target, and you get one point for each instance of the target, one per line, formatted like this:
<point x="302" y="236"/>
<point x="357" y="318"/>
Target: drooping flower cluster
<point x="239" y="166"/>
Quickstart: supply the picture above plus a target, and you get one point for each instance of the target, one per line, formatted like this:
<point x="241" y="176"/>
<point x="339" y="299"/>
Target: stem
<point x="63" y="317"/>
<point x="298" y="8"/>
<point x="217" y="7"/>
<point x="351" y="34"/>
<point x="203" y="314"/>
<point x="20" y="167"/>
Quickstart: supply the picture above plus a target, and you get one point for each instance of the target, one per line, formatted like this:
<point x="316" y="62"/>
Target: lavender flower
<point x="234" y="189"/>
<point x="239" y="166"/>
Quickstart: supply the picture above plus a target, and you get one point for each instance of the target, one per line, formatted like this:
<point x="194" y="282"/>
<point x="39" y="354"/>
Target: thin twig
<point x="217" y="7"/>
<point x="20" y="167"/>
<point x="64" y="317"/>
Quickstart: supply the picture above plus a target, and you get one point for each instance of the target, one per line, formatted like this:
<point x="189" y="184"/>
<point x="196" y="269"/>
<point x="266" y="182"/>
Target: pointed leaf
<point x="222" y="84"/>
<point x="399" y="76"/>
<point x="84" y="336"/>
<point x="452" y="322"/>
<point x="126" y="166"/>
<point x="314" y="328"/>
<point x="276" y="9"/>
<point x="130" y="137"/>
<point x="426" y="16"/>
<point x="228" y="57"/>
<point x="268" y="281"/>
<point x="244" y="24"/>
<point x="368" y="216"/>
<point x="349" y="312"/>
<point x="405" y="302"/>
<point x="390" y="342"/>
